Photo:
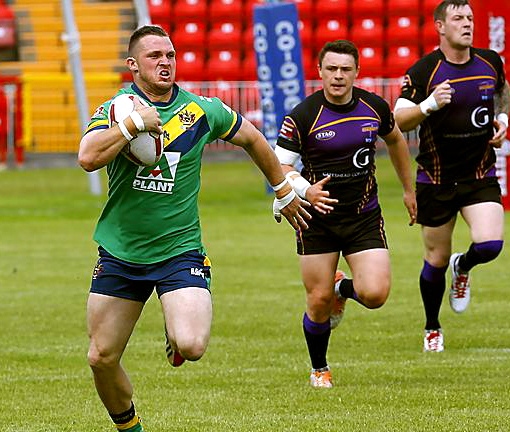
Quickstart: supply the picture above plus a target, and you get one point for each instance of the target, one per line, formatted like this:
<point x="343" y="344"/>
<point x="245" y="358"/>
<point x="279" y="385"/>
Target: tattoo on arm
<point x="502" y="100"/>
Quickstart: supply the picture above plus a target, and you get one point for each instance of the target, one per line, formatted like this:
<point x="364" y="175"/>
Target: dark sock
<point x="127" y="421"/>
<point x="317" y="340"/>
<point x="479" y="253"/>
<point x="346" y="289"/>
<point x="432" y="288"/>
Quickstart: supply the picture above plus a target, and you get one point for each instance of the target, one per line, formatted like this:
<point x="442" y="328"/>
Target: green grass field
<point x="254" y="375"/>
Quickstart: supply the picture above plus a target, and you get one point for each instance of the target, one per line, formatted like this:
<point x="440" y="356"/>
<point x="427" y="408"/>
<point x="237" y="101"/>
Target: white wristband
<point x="298" y="183"/>
<point x="502" y="118"/>
<point x="279" y="185"/>
<point x="137" y="120"/>
<point x="429" y="105"/>
<point x="124" y="131"/>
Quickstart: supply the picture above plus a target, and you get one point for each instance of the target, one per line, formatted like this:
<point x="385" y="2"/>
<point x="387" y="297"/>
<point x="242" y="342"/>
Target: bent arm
<point x="408" y="115"/>
<point x="99" y="147"/>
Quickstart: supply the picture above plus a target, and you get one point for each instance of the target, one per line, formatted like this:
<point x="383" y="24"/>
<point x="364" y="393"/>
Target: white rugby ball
<point x="146" y="148"/>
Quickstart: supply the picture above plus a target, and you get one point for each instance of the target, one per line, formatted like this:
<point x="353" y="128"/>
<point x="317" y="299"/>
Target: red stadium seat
<point x="196" y="10"/>
<point x="160" y="9"/>
<point x="402" y="29"/>
<point x="190" y="65"/>
<point x="226" y="10"/>
<point x="399" y="58"/>
<point x="429" y="35"/>
<point x="249" y="6"/>
<point x="427" y="9"/>
<point x="368" y="31"/>
<point x="404" y="7"/>
<point x="306" y="32"/>
<point x="309" y="60"/>
<point x="330" y="29"/>
<point x="363" y="8"/>
<point x="223" y="65"/>
<point x="7" y="27"/>
<point x="371" y="59"/>
<point x="189" y="35"/>
<point x="249" y="66"/>
<point x="226" y="35"/>
<point x="331" y="9"/>
<point x="305" y="8"/>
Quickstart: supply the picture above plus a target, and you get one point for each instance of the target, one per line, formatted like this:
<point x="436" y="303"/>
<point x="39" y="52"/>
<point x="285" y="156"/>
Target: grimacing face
<point x="458" y="26"/>
<point x="338" y="73"/>
<point x="154" y="62"/>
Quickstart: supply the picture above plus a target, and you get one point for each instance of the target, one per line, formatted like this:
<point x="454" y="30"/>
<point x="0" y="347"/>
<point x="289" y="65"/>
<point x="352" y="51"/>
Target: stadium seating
<point x="189" y="34"/>
<point x="191" y="65"/>
<point x="371" y="61"/>
<point x="190" y="9"/>
<point x="226" y="10"/>
<point x="223" y="34"/>
<point x="306" y="32"/>
<point x="329" y="29"/>
<point x="368" y="30"/>
<point x="403" y="28"/>
<point x="331" y="9"/>
<point x="223" y="65"/>
<point x="404" y="7"/>
<point x="364" y="8"/>
<point x="7" y="27"/>
<point x="400" y="58"/>
<point x="160" y="12"/>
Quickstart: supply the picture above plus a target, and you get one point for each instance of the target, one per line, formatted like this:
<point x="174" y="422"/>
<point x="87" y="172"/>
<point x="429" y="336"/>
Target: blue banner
<point x="279" y="65"/>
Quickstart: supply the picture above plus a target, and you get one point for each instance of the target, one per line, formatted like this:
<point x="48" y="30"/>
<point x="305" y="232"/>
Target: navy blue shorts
<point x="117" y="278"/>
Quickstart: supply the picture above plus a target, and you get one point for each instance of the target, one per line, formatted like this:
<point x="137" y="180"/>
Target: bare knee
<point x="99" y="359"/>
<point x="193" y="348"/>
<point x="374" y="298"/>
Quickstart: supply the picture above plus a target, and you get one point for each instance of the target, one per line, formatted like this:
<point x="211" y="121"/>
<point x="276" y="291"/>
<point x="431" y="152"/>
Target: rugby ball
<point x="146" y="148"/>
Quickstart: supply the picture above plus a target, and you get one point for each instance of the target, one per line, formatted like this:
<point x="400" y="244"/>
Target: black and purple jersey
<point x="454" y="140"/>
<point x="339" y="141"/>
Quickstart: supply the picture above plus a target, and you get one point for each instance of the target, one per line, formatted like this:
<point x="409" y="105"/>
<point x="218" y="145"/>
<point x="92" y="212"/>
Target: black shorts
<point x="347" y="234"/>
<point x="437" y="204"/>
<point x="117" y="278"/>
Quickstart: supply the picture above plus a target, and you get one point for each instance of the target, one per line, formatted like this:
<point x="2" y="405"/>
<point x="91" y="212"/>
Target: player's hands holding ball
<point x="149" y="115"/>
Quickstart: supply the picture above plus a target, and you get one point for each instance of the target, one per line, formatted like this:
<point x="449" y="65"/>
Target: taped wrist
<point x="503" y="118"/>
<point x="125" y="131"/>
<point x="429" y="105"/>
<point x="137" y="120"/>
<point x="298" y="183"/>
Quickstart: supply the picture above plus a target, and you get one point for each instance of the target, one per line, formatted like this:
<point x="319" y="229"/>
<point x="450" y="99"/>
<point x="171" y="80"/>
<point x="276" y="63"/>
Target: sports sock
<point x="432" y="287"/>
<point x="479" y="253"/>
<point x="127" y="421"/>
<point x="345" y="288"/>
<point x="317" y="340"/>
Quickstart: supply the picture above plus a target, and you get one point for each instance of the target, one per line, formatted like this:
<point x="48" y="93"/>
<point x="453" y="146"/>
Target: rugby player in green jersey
<point x="149" y="232"/>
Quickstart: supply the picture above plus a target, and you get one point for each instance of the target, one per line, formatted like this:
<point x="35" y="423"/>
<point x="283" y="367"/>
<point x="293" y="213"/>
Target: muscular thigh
<point x="485" y="220"/>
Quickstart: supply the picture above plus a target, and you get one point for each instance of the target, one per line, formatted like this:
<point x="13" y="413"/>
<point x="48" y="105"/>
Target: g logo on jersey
<point x="480" y="117"/>
<point x="361" y="158"/>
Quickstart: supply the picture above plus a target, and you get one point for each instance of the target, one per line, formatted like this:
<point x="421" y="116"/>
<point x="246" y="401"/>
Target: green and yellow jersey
<point x="151" y="213"/>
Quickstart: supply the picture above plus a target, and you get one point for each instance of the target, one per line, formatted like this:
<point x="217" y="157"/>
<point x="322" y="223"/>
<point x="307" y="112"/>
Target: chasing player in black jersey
<point x="334" y="132"/>
<point x="459" y="96"/>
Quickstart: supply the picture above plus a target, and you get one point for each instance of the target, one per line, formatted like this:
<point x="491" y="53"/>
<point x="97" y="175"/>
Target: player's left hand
<point x="499" y="134"/>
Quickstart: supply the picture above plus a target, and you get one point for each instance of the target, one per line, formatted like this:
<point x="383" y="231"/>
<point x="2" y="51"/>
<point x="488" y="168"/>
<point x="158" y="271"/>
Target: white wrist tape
<point x="502" y="118"/>
<point x="124" y="131"/>
<point x="279" y="185"/>
<point x="429" y="105"/>
<point x="298" y="183"/>
<point x="137" y="120"/>
<point x="283" y="202"/>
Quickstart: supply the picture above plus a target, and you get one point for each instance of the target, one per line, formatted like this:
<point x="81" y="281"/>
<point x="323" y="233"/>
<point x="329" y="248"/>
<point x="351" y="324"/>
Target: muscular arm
<point x="253" y="142"/>
<point x="502" y="100"/>
<point x="401" y="160"/>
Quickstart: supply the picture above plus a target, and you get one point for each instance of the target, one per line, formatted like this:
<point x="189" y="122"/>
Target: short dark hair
<point x="440" y="10"/>
<point x="340" y="46"/>
<point x="143" y="31"/>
